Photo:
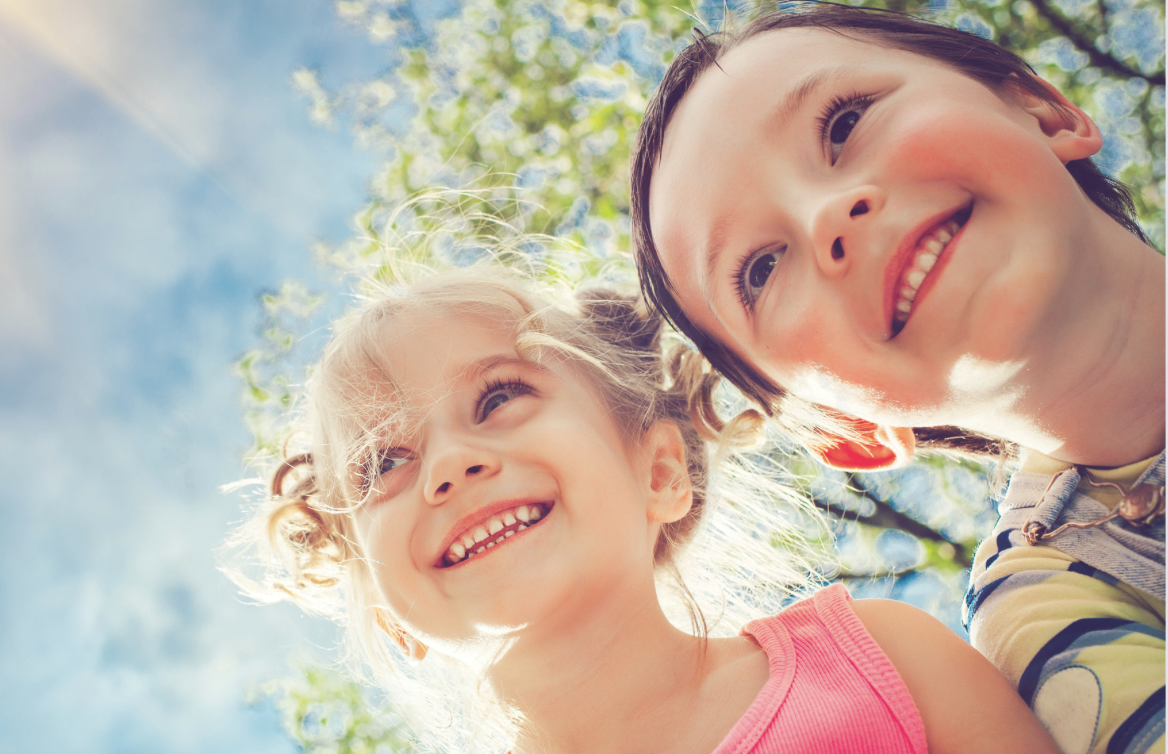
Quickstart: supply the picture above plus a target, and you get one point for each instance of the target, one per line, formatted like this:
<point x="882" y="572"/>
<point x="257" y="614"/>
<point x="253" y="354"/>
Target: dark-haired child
<point x="859" y="211"/>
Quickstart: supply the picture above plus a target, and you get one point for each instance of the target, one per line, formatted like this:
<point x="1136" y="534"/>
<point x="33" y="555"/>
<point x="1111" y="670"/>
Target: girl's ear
<point x="876" y="447"/>
<point x="1069" y="131"/>
<point x="670" y="492"/>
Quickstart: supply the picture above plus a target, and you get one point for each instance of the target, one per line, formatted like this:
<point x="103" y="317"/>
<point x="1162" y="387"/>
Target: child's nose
<point x="454" y="470"/>
<point x="839" y="226"/>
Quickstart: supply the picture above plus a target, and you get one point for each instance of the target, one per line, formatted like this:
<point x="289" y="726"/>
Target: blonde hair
<point x="302" y="532"/>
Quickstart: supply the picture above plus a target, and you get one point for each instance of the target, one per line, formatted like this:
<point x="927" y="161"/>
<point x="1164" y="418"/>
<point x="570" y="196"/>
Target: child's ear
<point x="670" y="492"/>
<point x="1069" y="131"/>
<point x="876" y="447"/>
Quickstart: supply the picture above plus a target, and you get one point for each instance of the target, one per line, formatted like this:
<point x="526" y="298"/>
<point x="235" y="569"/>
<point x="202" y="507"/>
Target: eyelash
<point x="740" y="273"/>
<point x="496" y="386"/>
<point x="839" y="105"/>
<point x="378" y="461"/>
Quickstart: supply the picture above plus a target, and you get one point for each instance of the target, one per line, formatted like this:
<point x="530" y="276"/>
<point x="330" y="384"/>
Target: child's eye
<point x="753" y="274"/>
<point x="839" y="119"/>
<point x="388" y="460"/>
<point x="381" y="462"/>
<point x="842" y="128"/>
<point x="498" y="392"/>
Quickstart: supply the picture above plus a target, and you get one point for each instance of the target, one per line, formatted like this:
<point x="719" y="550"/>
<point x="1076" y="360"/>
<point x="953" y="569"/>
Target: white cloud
<point x="158" y="173"/>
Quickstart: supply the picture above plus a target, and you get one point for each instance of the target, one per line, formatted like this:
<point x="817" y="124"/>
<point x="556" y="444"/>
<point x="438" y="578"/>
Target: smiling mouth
<point x="924" y="258"/>
<point x="488" y="534"/>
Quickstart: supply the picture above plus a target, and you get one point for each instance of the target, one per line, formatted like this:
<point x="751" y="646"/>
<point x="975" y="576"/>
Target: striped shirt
<point x="1084" y="647"/>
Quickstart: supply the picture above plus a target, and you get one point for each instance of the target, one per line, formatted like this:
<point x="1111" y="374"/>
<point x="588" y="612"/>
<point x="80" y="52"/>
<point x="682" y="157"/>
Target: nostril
<point x="445" y="486"/>
<point x="474" y="469"/>
<point x="860" y="208"/>
<point x="837" y="249"/>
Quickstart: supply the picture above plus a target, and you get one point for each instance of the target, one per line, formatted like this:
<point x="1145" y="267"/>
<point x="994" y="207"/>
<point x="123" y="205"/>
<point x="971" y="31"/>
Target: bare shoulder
<point x="899" y="624"/>
<point x="965" y="703"/>
<point x="878" y="614"/>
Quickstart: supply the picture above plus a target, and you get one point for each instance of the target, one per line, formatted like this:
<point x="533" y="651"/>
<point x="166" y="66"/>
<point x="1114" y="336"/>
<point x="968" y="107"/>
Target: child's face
<point x="802" y="207"/>
<point x="494" y="440"/>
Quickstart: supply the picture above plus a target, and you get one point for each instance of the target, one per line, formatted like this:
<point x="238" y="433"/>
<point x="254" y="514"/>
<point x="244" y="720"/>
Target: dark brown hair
<point x="980" y="59"/>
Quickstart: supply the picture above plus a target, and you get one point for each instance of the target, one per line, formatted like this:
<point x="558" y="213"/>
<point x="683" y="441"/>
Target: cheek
<point x="978" y="141"/>
<point x="605" y="483"/>
<point x="805" y="331"/>
<point x="386" y="548"/>
<point x="584" y="450"/>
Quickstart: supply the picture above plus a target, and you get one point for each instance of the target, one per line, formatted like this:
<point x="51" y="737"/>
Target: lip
<point x="899" y="262"/>
<point x="469" y="521"/>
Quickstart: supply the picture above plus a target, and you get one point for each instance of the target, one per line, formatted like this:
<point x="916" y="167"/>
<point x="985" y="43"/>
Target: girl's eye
<point x="388" y="460"/>
<point x="498" y="392"/>
<point x="753" y="274"/>
<point x="839" y="119"/>
<point x="493" y="402"/>
<point x="380" y="463"/>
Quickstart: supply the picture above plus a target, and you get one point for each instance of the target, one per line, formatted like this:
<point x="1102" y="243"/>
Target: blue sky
<point x="159" y="173"/>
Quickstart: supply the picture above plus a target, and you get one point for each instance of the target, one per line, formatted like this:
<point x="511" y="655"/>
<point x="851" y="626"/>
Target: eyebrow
<point x="798" y="94"/>
<point x="479" y="367"/>
<point x="788" y="104"/>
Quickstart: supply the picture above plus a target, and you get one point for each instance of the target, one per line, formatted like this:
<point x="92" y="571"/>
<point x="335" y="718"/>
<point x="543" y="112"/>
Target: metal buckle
<point x="1139" y="506"/>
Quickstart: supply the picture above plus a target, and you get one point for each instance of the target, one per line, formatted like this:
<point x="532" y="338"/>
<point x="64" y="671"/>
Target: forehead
<point x="425" y="353"/>
<point x="764" y="71"/>
<point x="394" y="371"/>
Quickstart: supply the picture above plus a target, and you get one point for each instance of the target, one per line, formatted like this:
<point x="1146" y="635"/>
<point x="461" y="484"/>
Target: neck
<point x="614" y="672"/>
<point x="1091" y="390"/>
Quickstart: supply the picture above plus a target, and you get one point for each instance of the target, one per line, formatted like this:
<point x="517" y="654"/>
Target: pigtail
<point x="691" y="377"/>
<point x="680" y="389"/>
<point x="304" y="542"/>
<point x="960" y="443"/>
<point x="622" y="320"/>
<point x="627" y="322"/>
<point x="694" y="378"/>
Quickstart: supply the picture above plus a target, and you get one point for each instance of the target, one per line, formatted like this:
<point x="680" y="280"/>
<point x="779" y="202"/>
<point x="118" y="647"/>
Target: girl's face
<point x="874" y="231"/>
<point x="509" y="501"/>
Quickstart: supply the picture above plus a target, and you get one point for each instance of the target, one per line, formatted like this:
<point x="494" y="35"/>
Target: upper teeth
<point x="927" y="252"/>
<point x="494" y="530"/>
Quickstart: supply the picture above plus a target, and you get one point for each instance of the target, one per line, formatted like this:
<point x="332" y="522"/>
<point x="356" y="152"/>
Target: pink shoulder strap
<point x="853" y="639"/>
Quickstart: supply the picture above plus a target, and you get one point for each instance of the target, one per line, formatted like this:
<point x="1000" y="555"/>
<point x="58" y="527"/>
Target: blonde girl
<point x="890" y="234"/>
<point x="501" y="484"/>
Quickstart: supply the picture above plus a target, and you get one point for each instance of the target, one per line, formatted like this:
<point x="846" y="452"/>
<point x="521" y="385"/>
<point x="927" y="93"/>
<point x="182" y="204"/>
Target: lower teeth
<point x="494" y="542"/>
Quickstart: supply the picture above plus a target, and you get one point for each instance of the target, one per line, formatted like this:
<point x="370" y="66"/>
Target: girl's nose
<point x="840" y="226"/>
<point x="455" y="468"/>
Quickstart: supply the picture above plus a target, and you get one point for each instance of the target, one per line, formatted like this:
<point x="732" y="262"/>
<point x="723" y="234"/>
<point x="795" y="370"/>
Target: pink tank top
<point x="831" y="689"/>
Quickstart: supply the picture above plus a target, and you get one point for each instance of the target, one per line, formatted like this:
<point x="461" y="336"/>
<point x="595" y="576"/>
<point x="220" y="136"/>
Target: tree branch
<point x="1098" y="58"/>
<point x="887" y="517"/>
<point x="1103" y="20"/>
<point x="846" y="576"/>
